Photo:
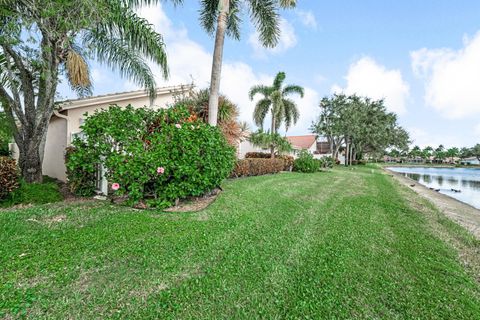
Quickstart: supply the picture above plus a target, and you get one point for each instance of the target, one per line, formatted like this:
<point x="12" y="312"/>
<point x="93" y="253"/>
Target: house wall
<point x="245" y="147"/>
<point x="53" y="161"/>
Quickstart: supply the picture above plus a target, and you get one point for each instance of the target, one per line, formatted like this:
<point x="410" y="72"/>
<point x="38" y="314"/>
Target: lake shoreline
<point x="462" y="213"/>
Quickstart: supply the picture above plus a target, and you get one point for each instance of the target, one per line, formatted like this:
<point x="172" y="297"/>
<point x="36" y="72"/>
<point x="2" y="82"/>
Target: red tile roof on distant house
<point x="302" y="142"/>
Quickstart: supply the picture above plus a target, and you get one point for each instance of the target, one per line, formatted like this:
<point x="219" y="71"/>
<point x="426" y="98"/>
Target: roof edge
<point x="120" y="96"/>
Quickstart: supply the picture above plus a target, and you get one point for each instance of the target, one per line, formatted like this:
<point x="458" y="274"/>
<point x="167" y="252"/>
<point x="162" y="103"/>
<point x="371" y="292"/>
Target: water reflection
<point x="460" y="183"/>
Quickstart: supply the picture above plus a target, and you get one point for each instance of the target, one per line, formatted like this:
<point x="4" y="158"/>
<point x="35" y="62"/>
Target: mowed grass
<point x="339" y="244"/>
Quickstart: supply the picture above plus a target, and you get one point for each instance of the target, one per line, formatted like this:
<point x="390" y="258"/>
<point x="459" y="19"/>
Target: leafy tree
<point x="5" y="134"/>
<point x="427" y="152"/>
<point x="42" y="39"/>
<point x="465" y="153"/>
<point x="415" y="152"/>
<point x="439" y="153"/>
<point x="452" y="153"/>
<point x="362" y="125"/>
<point x="274" y="101"/>
<point x="475" y="151"/>
<point x="223" y="17"/>
<point x="275" y="142"/>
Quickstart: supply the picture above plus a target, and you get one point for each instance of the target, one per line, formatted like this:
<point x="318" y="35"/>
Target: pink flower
<point x="178" y="126"/>
<point x="115" y="186"/>
<point x="160" y="170"/>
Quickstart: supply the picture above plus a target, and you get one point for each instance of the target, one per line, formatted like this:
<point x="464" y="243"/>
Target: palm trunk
<point x="224" y="9"/>
<point x="272" y="131"/>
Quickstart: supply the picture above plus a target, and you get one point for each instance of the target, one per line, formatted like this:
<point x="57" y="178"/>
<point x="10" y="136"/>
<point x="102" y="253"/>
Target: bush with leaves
<point x="257" y="167"/>
<point x="327" y="162"/>
<point x="306" y="163"/>
<point x="80" y="170"/>
<point x="154" y="157"/>
<point x="9" y="177"/>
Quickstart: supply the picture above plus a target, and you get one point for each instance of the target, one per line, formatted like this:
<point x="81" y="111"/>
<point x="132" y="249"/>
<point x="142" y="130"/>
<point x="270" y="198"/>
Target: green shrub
<point x="34" y="193"/>
<point x="80" y="171"/>
<point x="257" y="167"/>
<point x="8" y="176"/>
<point x="306" y="163"/>
<point x="152" y="156"/>
<point x="327" y="162"/>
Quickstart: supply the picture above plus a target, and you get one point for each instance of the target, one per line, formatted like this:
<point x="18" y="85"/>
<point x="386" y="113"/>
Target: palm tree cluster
<point x="43" y="39"/>
<point x="359" y="125"/>
<point x="283" y="110"/>
<point x="440" y="154"/>
<point x="223" y="18"/>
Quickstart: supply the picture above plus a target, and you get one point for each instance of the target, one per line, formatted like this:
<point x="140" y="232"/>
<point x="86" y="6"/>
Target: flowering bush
<point x="8" y="176"/>
<point x="154" y="157"/>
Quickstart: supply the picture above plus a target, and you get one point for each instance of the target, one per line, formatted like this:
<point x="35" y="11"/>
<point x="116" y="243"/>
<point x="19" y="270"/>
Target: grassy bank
<point x="344" y="244"/>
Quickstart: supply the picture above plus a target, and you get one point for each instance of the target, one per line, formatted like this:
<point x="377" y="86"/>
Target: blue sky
<point x="423" y="57"/>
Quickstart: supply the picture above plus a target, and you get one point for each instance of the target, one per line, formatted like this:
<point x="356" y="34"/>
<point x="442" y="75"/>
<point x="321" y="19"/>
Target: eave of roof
<point x="119" y="96"/>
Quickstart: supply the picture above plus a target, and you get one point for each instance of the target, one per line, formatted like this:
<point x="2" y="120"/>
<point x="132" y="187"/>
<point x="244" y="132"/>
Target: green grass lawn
<point x="339" y="244"/>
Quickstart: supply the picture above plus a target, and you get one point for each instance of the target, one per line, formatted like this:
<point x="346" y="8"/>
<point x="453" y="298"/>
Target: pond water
<point x="466" y="181"/>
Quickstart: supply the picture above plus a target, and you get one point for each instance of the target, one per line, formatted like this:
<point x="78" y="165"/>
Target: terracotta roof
<point x="302" y="142"/>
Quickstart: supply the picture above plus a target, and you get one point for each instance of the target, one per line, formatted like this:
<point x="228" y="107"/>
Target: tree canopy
<point x="360" y="124"/>
<point x="42" y="39"/>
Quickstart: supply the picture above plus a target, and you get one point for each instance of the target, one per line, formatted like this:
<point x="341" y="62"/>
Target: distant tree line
<point x="439" y="154"/>
<point x="359" y="126"/>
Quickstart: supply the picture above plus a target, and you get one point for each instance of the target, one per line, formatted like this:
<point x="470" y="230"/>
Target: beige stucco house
<point x="66" y="121"/>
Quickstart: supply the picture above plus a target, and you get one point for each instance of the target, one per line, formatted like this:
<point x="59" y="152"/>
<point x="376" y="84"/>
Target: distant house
<point x="66" y="122"/>
<point x="470" y="161"/>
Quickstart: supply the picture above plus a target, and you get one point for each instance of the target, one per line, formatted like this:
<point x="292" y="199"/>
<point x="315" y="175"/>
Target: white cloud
<point x="189" y="60"/>
<point x="368" y="78"/>
<point x="420" y="137"/>
<point x="288" y="39"/>
<point x="307" y="18"/>
<point x="452" y="78"/>
<point x="476" y="130"/>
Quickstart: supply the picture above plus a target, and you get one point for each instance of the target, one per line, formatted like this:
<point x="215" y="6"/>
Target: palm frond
<point x="78" y="72"/>
<point x="293" y="89"/>
<point x="139" y="3"/>
<point x="119" y="56"/>
<point x="291" y="113"/>
<point x="208" y="15"/>
<point x="278" y="81"/>
<point x="288" y="3"/>
<point x="234" y="20"/>
<point x="260" y="112"/>
<point x="136" y="32"/>
<point x="266" y="20"/>
<point x="262" y="89"/>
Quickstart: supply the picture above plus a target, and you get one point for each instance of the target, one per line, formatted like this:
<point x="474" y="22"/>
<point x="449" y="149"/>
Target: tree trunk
<point x="30" y="162"/>
<point x="224" y="9"/>
<point x="272" y="132"/>
<point x="347" y="153"/>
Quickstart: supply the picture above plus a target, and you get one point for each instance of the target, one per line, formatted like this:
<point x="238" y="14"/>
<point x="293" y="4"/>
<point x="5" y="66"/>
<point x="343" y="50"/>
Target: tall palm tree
<point x="43" y="39"/>
<point x="274" y="101"/>
<point x="222" y="17"/>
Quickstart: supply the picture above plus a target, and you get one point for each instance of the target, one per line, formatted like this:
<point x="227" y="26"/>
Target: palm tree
<point x="275" y="101"/>
<point x="69" y="32"/>
<point x="222" y="17"/>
